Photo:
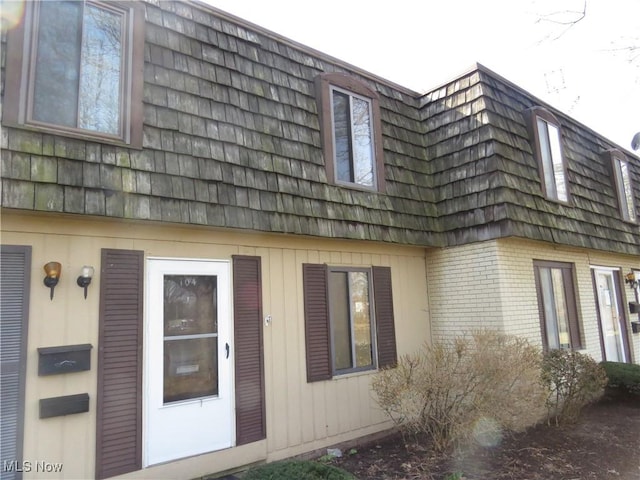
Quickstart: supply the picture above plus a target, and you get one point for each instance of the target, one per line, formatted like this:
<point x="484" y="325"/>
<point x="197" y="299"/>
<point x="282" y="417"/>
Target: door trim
<point x="622" y="320"/>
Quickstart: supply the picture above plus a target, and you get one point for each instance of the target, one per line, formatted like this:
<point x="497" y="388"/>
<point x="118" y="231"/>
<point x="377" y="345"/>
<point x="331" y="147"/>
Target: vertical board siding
<point x="316" y="320"/>
<point x="249" y="351"/>
<point x="15" y="268"/>
<point x="385" y="323"/>
<point x="119" y="399"/>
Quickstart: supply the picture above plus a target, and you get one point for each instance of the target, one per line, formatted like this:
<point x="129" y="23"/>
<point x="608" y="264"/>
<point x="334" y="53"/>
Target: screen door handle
<point x="226" y="346"/>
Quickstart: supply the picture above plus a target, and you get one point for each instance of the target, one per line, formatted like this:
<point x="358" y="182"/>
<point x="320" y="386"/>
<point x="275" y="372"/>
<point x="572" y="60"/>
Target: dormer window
<point x="547" y="147"/>
<point x="77" y="70"/>
<point x="352" y="141"/>
<point x="623" y="185"/>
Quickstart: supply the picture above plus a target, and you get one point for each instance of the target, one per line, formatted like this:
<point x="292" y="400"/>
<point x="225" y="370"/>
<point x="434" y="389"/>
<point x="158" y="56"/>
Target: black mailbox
<point x="64" y="359"/>
<point x="57" y="406"/>
<point x="634" y="307"/>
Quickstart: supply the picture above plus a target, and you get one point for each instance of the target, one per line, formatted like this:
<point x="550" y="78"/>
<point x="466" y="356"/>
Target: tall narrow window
<point x="547" y="146"/>
<point x="76" y="74"/>
<point x="557" y="304"/>
<point x="353" y="139"/>
<point x="624" y="186"/>
<point x="350" y="313"/>
<point x="351" y="132"/>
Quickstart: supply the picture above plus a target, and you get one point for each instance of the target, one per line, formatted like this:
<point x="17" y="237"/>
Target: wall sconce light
<point x="632" y="278"/>
<point x="52" y="271"/>
<point x="85" y="278"/>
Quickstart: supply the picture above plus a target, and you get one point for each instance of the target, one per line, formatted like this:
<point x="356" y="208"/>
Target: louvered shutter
<point x="249" y="352"/>
<point x="316" y="319"/>
<point x="385" y="324"/>
<point x="119" y="399"/>
<point x="15" y="268"/>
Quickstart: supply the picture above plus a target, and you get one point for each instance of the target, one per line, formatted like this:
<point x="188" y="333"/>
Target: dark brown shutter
<point x="316" y="322"/>
<point x="119" y="399"/>
<point x="15" y="280"/>
<point x="249" y="352"/>
<point x="385" y="324"/>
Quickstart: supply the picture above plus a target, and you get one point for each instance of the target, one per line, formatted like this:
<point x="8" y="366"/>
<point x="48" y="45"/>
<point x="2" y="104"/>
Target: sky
<point x="586" y="70"/>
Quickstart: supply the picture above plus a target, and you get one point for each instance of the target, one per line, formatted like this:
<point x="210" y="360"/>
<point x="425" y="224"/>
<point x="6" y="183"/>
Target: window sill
<point x="77" y="135"/>
<point x="359" y="373"/>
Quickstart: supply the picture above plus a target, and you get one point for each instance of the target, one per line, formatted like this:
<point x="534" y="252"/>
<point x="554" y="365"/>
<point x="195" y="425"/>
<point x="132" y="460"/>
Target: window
<point x="623" y="185"/>
<point x="547" y="147"/>
<point x="76" y="71"/>
<point x="557" y="305"/>
<point x="349" y="324"/>
<point x="351" y="320"/>
<point x="352" y="141"/>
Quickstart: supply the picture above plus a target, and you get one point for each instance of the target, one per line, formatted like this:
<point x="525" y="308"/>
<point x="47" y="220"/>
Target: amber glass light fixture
<point x="85" y="278"/>
<point x="632" y="278"/>
<point x="52" y="271"/>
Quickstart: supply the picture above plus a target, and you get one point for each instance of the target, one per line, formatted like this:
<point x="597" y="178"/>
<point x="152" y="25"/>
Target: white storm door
<point x="188" y="359"/>
<point x="610" y="316"/>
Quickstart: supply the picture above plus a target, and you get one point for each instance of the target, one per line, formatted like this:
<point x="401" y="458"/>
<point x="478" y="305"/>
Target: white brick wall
<point x="491" y="284"/>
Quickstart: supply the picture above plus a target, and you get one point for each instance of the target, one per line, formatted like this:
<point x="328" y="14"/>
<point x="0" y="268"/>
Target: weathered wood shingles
<point x="232" y="139"/>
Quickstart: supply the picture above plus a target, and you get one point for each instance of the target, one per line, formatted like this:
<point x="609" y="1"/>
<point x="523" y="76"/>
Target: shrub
<point x="574" y="380"/>
<point x="623" y="376"/>
<point x="297" y="470"/>
<point x="478" y="385"/>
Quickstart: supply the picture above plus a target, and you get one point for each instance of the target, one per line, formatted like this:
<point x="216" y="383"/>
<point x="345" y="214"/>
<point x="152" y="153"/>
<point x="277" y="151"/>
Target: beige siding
<point x="301" y="416"/>
<point x="498" y="289"/>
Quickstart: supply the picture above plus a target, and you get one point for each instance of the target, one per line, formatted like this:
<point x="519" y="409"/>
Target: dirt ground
<point x="603" y="445"/>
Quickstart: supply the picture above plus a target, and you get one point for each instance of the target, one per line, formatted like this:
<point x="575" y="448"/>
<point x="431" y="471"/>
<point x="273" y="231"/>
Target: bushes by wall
<point x="574" y="380"/>
<point x="623" y="376"/>
<point x="473" y="386"/>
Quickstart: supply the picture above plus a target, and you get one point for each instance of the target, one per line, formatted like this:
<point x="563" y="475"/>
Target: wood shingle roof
<point x="231" y="138"/>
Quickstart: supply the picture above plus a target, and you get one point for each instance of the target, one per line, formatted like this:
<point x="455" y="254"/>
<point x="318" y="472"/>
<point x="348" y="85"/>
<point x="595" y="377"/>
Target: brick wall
<point x="491" y="285"/>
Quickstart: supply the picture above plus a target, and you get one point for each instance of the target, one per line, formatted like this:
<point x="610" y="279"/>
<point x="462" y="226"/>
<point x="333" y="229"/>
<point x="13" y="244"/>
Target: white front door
<point x="188" y="359"/>
<point x="610" y="316"/>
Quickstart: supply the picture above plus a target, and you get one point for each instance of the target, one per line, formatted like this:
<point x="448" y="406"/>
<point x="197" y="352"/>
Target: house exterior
<point x="239" y="231"/>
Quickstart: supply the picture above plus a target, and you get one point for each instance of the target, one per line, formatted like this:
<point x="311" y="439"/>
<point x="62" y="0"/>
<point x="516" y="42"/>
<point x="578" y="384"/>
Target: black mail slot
<point x="64" y="359"/>
<point x="57" y="406"/>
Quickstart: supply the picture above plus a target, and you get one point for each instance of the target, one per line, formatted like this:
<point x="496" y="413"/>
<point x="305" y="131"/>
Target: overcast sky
<point x="584" y="71"/>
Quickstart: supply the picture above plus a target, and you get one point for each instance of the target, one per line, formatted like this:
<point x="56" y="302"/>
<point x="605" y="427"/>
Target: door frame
<point x="616" y="274"/>
<point x="224" y="292"/>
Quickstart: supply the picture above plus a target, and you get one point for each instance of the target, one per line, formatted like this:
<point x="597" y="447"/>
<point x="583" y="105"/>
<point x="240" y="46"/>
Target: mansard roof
<point x="232" y="138"/>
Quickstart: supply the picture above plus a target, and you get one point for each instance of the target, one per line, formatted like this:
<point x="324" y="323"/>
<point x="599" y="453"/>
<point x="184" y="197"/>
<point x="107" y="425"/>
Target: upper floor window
<point x="74" y="68"/>
<point x="352" y="139"/>
<point x="547" y="147"/>
<point x="623" y="185"/>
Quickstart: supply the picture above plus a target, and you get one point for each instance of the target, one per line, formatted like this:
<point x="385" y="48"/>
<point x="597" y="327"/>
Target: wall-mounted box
<point x="634" y="307"/>
<point x="635" y="327"/>
<point x="57" y="406"/>
<point x="64" y="359"/>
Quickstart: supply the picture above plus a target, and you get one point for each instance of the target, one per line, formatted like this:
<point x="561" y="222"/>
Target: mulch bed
<point x="604" y="444"/>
